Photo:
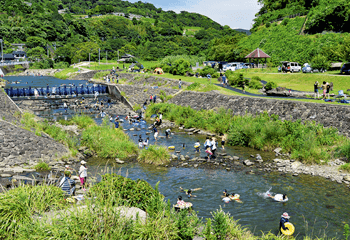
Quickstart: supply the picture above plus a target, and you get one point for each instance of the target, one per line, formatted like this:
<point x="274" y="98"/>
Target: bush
<point x="285" y="21"/>
<point x="156" y="155"/>
<point x="42" y="166"/>
<point x="61" y="65"/>
<point x="320" y="61"/>
<point x="19" y="204"/>
<point x="193" y="86"/>
<point x="270" y="85"/>
<point x="268" y="24"/>
<point x="130" y="193"/>
<point x="207" y="69"/>
<point x="108" y="142"/>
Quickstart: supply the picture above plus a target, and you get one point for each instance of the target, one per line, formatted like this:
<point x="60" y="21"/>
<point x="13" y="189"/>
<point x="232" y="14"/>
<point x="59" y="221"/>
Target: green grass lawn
<point x="304" y="81"/>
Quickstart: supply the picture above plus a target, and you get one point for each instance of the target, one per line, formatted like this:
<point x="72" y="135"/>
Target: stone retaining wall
<point x="327" y="114"/>
<point x="19" y="146"/>
<point x="86" y="76"/>
<point x="151" y="80"/>
<point x="8" y="109"/>
<point x="138" y="94"/>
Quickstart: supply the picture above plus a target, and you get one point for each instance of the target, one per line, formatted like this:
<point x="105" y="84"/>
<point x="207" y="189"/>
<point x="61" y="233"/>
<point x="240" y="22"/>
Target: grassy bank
<point x="101" y="219"/>
<point x="156" y="155"/>
<point x="108" y="142"/>
<point x="309" y="142"/>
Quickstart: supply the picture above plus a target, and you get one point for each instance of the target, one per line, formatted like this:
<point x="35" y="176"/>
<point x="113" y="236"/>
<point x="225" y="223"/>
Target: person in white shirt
<point x="83" y="174"/>
<point x="213" y="146"/>
<point x="279" y="197"/>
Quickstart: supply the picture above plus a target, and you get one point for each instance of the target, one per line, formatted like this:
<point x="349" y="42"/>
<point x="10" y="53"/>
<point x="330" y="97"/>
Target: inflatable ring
<point x="184" y="206"/>
<point x="290" y="229"/>
<point x="171" y="147"/>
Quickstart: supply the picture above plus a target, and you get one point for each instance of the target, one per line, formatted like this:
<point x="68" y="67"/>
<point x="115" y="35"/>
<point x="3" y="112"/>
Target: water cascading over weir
<point x="60" y="91"/>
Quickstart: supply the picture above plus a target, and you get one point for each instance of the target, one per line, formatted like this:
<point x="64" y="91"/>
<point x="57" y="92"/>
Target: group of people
<point x="211" y="145"/>
<point x="68" y="185"/>
<point x="325" y="90"/>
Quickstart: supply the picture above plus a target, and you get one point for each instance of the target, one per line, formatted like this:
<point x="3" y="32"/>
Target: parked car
<point x="290" y="67"/>
<point x="231" y="66"/>
<point x="345" y="68"/>
<point x="308" y="69"/>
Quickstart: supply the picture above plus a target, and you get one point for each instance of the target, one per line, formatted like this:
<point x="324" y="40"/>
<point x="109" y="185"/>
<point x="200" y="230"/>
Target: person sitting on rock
<point x="67" y="184"/>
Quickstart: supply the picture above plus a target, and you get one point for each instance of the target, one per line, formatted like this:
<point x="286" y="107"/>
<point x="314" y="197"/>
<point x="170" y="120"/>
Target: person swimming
<point x="279" y="197"/>
<point x="189" y="191"/>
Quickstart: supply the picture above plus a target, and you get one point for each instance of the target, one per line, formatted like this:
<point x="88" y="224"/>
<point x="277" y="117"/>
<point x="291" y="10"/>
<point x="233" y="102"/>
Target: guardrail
<point x="13" y="63"/>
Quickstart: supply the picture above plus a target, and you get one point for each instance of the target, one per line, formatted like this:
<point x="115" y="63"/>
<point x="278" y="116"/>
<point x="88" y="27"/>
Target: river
<point x="318" y="207"/>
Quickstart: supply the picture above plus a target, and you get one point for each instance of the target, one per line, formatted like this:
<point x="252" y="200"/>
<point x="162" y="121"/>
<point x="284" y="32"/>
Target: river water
<point x="318" y="207"/>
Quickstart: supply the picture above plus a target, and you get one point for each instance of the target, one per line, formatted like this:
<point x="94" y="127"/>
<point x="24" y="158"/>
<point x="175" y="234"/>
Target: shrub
<point x="320" y="61"/>
<point x="61" y="65"/>
<point x="136" y="107"/>
<point x="42" y="166"/>
<point x="268" y="25"/>
<point x="255" y="83"/>
<point x="19" y="204"/>
<point x="285" y="21"/>
<point x="207" y="69"/>
<point x="108" y="142"/>
<point x="193" y="86"/>
<point x="131" y="193"/>
<point x="270" y="85"/>
<point x="156" y="155"/>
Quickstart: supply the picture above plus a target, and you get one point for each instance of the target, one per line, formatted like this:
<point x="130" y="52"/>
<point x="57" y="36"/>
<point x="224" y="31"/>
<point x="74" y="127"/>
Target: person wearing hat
<point x="83" y="174"/>
<point x="284" y="219"/>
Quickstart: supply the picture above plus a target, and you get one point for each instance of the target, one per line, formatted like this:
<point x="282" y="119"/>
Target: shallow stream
<point x="317" y="206"/>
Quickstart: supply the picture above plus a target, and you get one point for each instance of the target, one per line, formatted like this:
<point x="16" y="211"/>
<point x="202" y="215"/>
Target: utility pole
<point x="2" y="52"/>
<point x="89" y="59"/>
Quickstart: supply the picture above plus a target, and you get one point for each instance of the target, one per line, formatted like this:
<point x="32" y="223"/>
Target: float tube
<point x="290" y="229"/>
<point x="171" y="147"/>
<point x="187" y="205"/>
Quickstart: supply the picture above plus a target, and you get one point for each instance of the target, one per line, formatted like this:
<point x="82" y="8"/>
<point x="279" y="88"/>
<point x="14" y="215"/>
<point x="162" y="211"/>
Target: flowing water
<point x="317" y="206"/>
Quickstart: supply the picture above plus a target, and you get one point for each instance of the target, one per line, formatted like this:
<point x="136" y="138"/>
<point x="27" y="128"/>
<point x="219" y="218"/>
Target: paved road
<point x="258" y="95"/>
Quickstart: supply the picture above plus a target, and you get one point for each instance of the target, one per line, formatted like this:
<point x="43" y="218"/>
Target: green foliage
<point x="206" y="70"/>
<point x="130" y="193"/>
<point x="42" y="166"/>
<point x="193" y="86"/>
<point x="270" y="85"/>
<point x="220" y="224"/>
<point x="255" y="83"/>
<point x="346" y="231"/>
<point x="156" y="155"/>
<point x="345" y="167"/>
<point x="82" y="121"/>
<point x="108" y="142"/>
<point x="320" y="61"/>
<point x="100" y="75"/>
<point x="345" y="150"/>
<point x="18" y="205"/>
<point x="308" y="142"/>
<point x="136" y="107"/>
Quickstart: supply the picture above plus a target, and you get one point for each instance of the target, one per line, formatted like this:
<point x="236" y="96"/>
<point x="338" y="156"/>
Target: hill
<point x="322" y="15"/>
<point x="71" y="37"/>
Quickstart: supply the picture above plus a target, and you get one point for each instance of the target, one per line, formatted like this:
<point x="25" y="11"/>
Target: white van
<point x="231" y="66"/>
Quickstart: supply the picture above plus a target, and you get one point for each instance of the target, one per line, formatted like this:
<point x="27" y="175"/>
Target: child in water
<point x="197" y="146"/>
<point x="189" y="191"/>
<point x="279" y="197"/>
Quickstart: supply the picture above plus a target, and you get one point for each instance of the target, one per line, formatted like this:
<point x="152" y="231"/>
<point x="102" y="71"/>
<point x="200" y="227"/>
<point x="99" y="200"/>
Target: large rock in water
<point x="248" y="163"/>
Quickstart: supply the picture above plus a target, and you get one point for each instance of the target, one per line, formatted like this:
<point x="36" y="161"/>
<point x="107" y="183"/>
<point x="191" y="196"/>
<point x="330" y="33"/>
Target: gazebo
<point x="257" y="54"/>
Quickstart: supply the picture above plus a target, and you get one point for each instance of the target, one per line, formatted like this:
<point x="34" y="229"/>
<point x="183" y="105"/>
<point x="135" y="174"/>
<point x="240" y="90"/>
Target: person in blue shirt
<point x="154" y="98"/>
<point x="67" y="184"/>
<point x="284" y="218"/>
<point x="116" y="123"/>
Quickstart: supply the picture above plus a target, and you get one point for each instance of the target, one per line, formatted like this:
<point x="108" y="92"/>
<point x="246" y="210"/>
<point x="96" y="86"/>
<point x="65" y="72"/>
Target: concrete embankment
<point x="20" y="147"/>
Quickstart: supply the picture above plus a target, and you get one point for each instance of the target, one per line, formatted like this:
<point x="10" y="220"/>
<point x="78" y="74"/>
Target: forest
<point x="68" y="38"/>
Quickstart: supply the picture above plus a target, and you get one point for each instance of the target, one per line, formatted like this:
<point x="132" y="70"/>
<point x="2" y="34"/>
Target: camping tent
<point x="158" y="71"/>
